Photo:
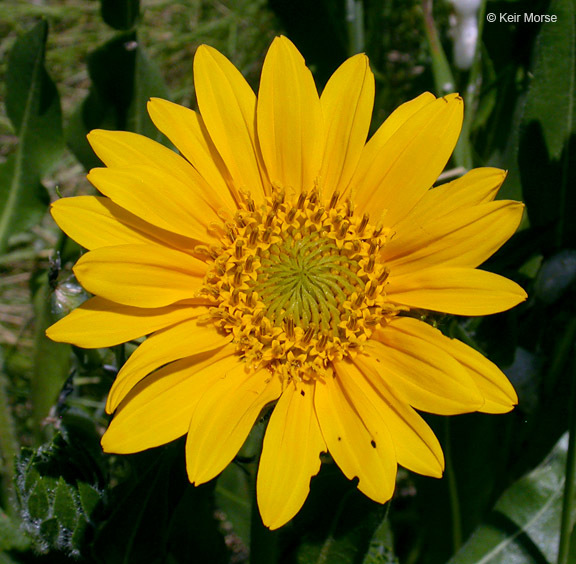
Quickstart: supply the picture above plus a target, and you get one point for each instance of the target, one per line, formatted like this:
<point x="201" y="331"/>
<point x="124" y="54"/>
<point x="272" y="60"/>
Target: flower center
<point x="298" y="283"/>
<point x="304" y="278"/>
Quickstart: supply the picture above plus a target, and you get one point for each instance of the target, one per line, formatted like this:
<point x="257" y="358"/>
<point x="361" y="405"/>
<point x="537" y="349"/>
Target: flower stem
<point x="8" y="446"/>
<point x="452" y="491"/>
<point x="51" y="362"/>
<point x="355" y="21"/>
<point x="471" y="96"/>
<point x="570" y="481"/>
<point x="120" y="355"/>
<point x="263" y="542"/>
<point x="326" y="551"/>
<point x="445" y="82"/>
<point x="443" y="78"/>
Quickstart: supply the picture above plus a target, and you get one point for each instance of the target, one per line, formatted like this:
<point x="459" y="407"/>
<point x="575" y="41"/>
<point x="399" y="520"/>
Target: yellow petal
<point x="478" y="186"/>
<point x="185" y="339"/>
<point x="466" y="237"/>
<point x="99" y="323"/>
<point x="223" y="418"/>
<point x="120" y="149"/>
<point x="228" y="108"/>
<point x="347" y="102"/>
<point x="96" y="222"/>
<point x="389" y="184"/>
<point x="290" y="455"/>
<point x="185" y="128"/>
<point x="396" y="120"/>
<point x="158" y="409"/>
<point x="372" y="152"/>
<point x="498" y="393"/>
<point x="289" y="119"/>
<point x="357" y="436"/>
<point x="123" y="149"/>
<point x="140" y="275"/>
<point x="420" y="372"/>
<point x="157" y="197"/>
<point x="415" y="445"/>
<point x="460" y="291"/>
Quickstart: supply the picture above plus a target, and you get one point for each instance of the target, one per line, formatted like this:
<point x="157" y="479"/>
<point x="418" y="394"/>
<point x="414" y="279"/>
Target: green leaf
<point x="381" y="550"/>
<point x="38" y="502"/>
<point x="123" y="79"/>
<point x="348" y="539"/>
<point x="193" y="532"/>
<point x="49" y="532"/>
<point x="556" y="276"/>
<point x="572" y="552"/>
<point x="9" y="444"/>
<point x="337" y="523"/>
<point x="33" y="107"/>
<point x="23" y="199"/>
<point x="120" y="14"/>
<point x="547" y="145"/>
<point x="525" y="522"/>
<point x="233" y="497"/>
<point x="51" y="359"/>
<point x="157" y="511"/>
<point x="552" y="92"/>
<point x="89" y="497"/>
<point x="32" y="101"/>
<point x="148" y="82"/>
<point x="52" y="485"/>
<point x="65" y="506"/>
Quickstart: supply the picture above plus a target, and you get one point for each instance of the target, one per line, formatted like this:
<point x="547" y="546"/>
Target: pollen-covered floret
<point x="298" y="283"/>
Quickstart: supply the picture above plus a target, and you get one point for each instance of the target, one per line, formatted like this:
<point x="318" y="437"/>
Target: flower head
<point x="282" y="259"/>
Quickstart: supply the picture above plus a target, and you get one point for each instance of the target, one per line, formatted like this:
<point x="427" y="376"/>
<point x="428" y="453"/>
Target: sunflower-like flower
<point x="280" y="259"/>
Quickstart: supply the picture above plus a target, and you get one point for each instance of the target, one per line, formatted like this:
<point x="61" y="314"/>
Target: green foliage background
<point x="508" y="495"/>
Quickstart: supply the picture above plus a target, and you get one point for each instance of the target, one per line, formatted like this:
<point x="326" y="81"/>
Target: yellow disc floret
<point x="298" y="284"/>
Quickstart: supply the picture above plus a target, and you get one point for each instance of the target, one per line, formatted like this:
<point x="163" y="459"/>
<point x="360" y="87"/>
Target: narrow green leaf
<point x="525" y="522"/>
<point x="51" y="360"/>
<point x="120" y="14"/>
<point x="33" y="107"/>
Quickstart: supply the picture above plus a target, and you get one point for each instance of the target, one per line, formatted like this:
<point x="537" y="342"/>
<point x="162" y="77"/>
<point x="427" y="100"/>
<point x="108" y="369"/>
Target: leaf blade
<point x="33" y="106"/>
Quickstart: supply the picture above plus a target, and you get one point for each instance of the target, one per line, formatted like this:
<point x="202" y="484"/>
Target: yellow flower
<point x="282" y="258"/>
